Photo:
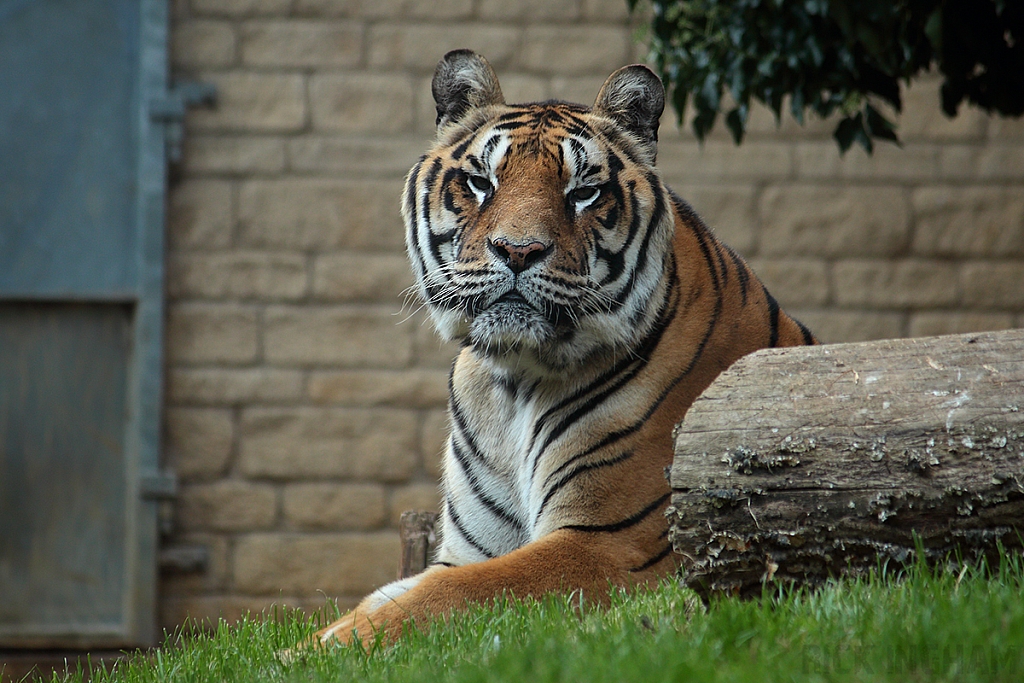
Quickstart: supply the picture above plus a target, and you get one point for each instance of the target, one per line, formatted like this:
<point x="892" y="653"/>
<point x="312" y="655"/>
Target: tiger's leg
<point x="337" y="629"/>
<point x="564" y="560"/>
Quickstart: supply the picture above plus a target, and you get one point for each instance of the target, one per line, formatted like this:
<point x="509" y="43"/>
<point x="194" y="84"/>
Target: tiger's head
<point x="540" y="233"/>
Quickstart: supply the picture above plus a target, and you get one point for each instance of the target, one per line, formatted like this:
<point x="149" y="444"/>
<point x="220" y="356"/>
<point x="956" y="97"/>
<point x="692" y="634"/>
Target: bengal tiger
<point x="593" y="305"/>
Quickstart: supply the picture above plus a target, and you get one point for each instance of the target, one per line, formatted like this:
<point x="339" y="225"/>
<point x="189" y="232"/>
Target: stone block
<point x="212" y="333"/>
<point x="413" y="388"/>
<point x="361" y="276"/>
<point x="386" y="9"/>
<point x="929" y="323"/>
<point x="203" y="43"/>
<point x="346" y="336"/>
<point x="574" y="50"/>
<point x="923" y="118"/>
<point x="974" y="221"/>
<point x="298" y="564"/>
<point x="794" y="282"/>
<point x="360" y="157"/>
<point x="233" y="154"/>
<point x="300" y="43"/>
<point x="833" y="326"/>
<point x="914" y="161"/>
<point x="811" y="220"/>
<point x="253" y="102"/>
<point x="201" y="214"/>
<point x="198" y="441"/>
<point x="1006" y="129"/>
<point x="418" y="47"/>
<point x="993" y="284"/>
<point x="684" y="161"/>
<point x="226" y="505"/>
<point x="424" y="496"/>
<point x="608" y="10"/>
<point x="729" y="209"/>
<point x="433" y="440"/>
<point x="302" y="443"/>
<point x="335" y="9"/>
<point x="899" y="284"/>
<point x="334" y="506"/>
<point x="237" y="274"/>
<point x="240" y="8"/>
<point x="361" y="103"/>
<point x="534" y="11"/>
<point x="321" y="214"/>
<point x="1001" y="162"/>
<point x="233" y="386"/>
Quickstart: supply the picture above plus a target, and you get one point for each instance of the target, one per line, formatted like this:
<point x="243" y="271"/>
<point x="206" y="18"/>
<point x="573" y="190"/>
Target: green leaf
<point x="736" y="120"/>
<point x="703" y="122"/>
<point x="850" y="130"/>
<point x="879" y="126"/>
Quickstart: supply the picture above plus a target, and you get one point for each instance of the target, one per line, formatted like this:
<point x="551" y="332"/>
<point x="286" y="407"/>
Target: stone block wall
<point x="305" y="393"/>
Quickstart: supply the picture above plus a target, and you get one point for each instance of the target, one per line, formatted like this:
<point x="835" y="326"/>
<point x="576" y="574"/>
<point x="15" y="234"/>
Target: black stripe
<point x="464" y="145"/>
<point x="411" y="193"/>
<point x="809" y="339"/>
<point x="492" y="142"/>
<point x="656" y="217"/>
<point x="464" y="532"/>
<point x="773" y="318"/>
<point x="558" y="485"/>
<point x="622" y="374"/>
<point x="702" y="241"/>
<point x="612" y="437"/>
<point x="459" y="418"/>
<point x="654" y="560"/>
<point x="721" y="262"/>
<point x="474" y="484"/>
<point x="742" y="271"/>
<point x="621" y="524"/>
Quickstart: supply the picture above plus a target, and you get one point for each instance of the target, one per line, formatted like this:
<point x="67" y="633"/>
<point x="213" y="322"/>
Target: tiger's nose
<point x="518" y="257"/>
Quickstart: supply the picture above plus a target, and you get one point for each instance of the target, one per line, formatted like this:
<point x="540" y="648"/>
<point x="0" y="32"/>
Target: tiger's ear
<point x="463" y="80"/>
<point x="634" y="98"/>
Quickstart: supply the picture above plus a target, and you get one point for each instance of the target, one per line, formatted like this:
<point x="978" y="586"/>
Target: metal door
<point x="83" y="106"/>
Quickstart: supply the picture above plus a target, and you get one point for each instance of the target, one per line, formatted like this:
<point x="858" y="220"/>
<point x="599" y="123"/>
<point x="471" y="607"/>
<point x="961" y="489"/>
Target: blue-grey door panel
<point x="69" y="143"/>
<point x="82" y="183"/>
<point x="63" y="484"/>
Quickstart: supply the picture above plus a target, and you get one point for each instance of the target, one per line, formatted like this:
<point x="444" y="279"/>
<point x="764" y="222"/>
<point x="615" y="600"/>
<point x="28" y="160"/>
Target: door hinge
<point x="170" y="110"/>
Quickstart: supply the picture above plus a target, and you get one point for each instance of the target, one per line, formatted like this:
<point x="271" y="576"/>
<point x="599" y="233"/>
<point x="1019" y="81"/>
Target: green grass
<point x="926" y="626"/>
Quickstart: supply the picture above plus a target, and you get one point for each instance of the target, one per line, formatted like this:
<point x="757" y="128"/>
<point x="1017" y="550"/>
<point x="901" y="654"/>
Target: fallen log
<point x="801" y="464"/>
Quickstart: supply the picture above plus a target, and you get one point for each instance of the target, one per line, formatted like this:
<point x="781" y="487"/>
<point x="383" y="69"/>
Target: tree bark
<point x="419" y="540"/>
<point x="801" y="464"/>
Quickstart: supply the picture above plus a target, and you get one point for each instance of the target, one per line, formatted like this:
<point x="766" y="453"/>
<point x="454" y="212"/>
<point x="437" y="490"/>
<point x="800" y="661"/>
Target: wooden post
<point x="805" y="463"/>
<point x="416" y="529"/>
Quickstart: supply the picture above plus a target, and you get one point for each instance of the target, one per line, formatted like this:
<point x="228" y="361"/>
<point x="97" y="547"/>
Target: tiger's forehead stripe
<point x="584" y="157"/>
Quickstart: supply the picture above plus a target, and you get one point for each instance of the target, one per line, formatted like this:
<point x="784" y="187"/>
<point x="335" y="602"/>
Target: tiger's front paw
<point x="355" y="626"/>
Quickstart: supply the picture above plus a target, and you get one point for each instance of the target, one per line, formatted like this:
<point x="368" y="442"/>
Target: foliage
<point x="924" y="626"/>
<point x="829" y="56"/>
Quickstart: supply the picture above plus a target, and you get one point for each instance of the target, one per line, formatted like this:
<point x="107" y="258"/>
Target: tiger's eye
<point x="480" y="184"/>
<point x="584" y="194"/>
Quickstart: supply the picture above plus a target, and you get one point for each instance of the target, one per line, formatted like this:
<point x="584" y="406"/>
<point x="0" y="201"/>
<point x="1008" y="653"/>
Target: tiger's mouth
<point x="511" y="322"/>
